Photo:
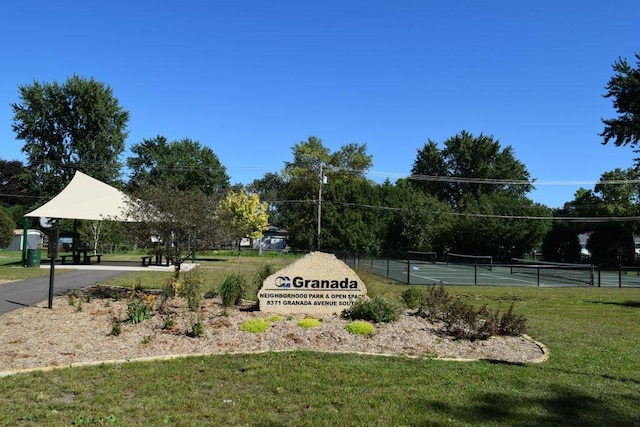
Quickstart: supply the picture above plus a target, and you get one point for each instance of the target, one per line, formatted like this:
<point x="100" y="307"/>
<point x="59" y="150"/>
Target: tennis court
<point x="537" y="275"/>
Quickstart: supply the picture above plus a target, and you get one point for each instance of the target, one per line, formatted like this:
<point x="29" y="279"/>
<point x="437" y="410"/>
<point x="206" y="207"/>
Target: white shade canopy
<point x="86" y="198"/>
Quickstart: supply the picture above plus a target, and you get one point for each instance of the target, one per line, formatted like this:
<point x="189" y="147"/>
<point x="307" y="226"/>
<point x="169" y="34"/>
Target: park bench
<point x="87" y="258"/>
<point x="146" y="260"/>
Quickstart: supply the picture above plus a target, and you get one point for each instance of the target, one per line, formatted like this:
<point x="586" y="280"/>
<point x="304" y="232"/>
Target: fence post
<point x="619" y="276"/>
<point x="387" y="268"/>
<point x="538" y="274"/>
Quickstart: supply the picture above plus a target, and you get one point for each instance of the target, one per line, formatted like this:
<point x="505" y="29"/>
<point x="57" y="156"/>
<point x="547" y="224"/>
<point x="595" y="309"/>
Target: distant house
<point x="273" y="239"/>
<point x="35" y="240"/>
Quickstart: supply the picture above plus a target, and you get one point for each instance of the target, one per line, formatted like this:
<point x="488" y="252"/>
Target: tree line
<point x="467" y="194"/>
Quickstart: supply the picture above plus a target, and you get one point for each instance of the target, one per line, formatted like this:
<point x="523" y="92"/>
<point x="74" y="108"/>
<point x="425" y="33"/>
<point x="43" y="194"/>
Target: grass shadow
<point x="561" y="406"/>
<point x="632" y="304"/>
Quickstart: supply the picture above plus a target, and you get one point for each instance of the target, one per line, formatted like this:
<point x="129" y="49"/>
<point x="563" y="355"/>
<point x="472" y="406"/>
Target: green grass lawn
<point x="591" y="379"/>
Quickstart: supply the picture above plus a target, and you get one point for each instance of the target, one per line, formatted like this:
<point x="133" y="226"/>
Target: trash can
<point x="33" y="257"/>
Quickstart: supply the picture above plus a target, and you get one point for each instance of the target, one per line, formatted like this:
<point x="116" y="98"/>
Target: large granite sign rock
<point x="318" y="283"/>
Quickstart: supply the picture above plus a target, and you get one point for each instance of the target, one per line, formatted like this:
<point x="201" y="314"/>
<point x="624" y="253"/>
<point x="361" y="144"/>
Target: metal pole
<point x="619" y="276"/>
<point x="319" y="207"/>
<point x="25" y="239"/>
<point x="51" y="276"/>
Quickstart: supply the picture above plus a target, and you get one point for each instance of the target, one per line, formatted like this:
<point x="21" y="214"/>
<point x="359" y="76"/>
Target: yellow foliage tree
<point x="243" y="215"/>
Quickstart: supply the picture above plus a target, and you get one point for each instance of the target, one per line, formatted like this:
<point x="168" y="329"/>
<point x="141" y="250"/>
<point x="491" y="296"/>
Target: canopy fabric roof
<point x="86" y="198"/>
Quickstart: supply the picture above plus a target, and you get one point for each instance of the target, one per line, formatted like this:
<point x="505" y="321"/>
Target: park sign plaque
<point x="317" y="283"/>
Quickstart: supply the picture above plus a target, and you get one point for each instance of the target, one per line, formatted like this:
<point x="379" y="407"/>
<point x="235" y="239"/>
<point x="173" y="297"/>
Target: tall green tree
<point x="485" y="185"/>
<point x="183" y="164"/>
<point x="304" y="178"/>
<point x="6" y="228"/>
<point x="469" y="165"/>
<point x="616" y="195"/>
<point x="624" y="89"/>
<point x="499" y="225"/>
<point x="413" y="220"/>
<point x="561" y="244"/>
<point x="12" y="191"/>
<point x="76" y="125"/>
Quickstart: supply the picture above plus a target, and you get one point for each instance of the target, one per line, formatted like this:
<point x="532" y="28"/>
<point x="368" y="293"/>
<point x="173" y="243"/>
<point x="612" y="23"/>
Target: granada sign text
<point x="316" y="284"/>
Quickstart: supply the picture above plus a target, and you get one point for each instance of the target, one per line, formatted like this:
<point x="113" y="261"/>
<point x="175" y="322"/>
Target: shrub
<point x="360" y="327"/>
<point x="191" y="289"/>
<point x="255" y="326"/>
<point x="512" y="324"/>
<point x="435" y="303"/>
<point x="263" y="272"/>
<point x="309" y="322"/>
<point x="232" y="290"/>
<point x="139" y="309"/>
<point x="197" y="327"/>
<point x="376" y="309"/>
<point x="274" y="318"/>
<point x="412" y="298"/>
<point x="464" y="322"/>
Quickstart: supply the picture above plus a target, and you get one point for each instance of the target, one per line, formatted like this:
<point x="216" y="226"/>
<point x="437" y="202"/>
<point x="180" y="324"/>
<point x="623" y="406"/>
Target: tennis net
<point x="469" y="259"/>
<point x="581" y="273"/>
<point x="431" y="257"/>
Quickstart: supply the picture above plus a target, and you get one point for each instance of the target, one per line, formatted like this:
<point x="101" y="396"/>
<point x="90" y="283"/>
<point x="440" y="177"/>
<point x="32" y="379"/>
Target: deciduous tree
<point x="183" y="165"/>
<point x="624" y="89"/>
<point x="469" y="165"/>
<point x="77" y="125"/>
<point x="242" y="215"/>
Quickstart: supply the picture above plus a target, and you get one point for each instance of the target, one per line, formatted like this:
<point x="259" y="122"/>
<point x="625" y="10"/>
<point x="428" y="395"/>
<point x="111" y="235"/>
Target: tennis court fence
<point x="422" y="268"/>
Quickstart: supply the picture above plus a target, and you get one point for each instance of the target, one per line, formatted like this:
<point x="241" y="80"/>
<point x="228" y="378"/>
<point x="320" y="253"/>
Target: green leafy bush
<point x="255" y="326"/>
<point x="309" y="322"/>
<point x="412" y="298"/>
<point x="232" y="290"/>
<point x="197" y="327"/>
<point x="376" y="309"/>
<point x="139" y="308"/>
<point x="360" y="327"/>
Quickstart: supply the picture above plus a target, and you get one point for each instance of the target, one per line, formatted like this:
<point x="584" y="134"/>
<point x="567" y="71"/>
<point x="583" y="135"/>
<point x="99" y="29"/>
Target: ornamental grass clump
<point x="232" y="290"/>
<point x="255" y="326"/>
<point x="309" y="322"/>
<point x="360" y="327"/>
<point x="259" y="277"/>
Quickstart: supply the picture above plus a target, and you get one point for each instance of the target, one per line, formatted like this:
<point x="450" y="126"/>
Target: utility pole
<point x="323" y="180"/>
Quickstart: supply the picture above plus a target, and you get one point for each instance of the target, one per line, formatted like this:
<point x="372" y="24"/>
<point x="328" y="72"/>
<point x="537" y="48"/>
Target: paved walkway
<point x="25" y="293"/>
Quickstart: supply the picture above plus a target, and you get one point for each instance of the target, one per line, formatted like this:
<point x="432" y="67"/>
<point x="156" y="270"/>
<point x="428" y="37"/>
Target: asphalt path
<point x="26" y="293"/>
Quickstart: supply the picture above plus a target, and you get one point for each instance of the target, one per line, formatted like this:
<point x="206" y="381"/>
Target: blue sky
<point x="252" y="78"/>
